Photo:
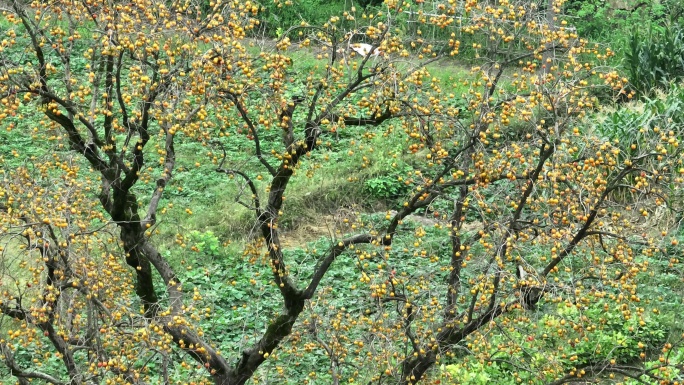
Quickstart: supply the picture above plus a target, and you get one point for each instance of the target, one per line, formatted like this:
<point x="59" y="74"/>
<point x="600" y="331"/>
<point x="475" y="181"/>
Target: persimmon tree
<point x="532" y="206"/>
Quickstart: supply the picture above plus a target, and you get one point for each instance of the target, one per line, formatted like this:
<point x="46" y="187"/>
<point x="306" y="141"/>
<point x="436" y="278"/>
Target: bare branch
<point x="252" y="129"/>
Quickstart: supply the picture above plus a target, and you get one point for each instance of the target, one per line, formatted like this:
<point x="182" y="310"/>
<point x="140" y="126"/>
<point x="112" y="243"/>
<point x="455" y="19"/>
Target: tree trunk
<point x="547" y="56"/>
<point x="132" y="239"/>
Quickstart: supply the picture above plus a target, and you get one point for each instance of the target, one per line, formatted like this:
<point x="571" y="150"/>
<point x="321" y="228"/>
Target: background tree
<point x="533" y="208"/>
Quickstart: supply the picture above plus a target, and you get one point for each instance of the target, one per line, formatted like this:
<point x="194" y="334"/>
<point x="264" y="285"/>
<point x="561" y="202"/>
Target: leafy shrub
<point x="477" y="373"/>
<point x="389" y="186"/>
<point x="592" y="17"/>
<point x="627" y="125"/>
<point x="385" y="187"/>
<point x="656" y="59"/>
<point x="629" y="128"/>
<point x="618" y="339"/>
<point x="277" y="16"/>
<point x="613" y="338"/>
<point x="206" y="243"/>
<point x="598" y="19"/>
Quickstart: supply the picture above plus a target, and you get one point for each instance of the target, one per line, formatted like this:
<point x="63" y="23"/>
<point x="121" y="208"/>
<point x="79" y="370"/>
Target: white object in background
<point x="363" y="49"/>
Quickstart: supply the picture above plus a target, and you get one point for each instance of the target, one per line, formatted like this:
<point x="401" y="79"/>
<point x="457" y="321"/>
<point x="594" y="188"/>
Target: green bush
<point x="277" y="16"/>
<point x="390" y="185"/>
<point x="385" y="187"/>
<point x="600" y="336"/>
<point x="593" y="18"/>
<point x="599" y="19"/>
<point x="627" y="125"/>
<point x="656" y="59"/>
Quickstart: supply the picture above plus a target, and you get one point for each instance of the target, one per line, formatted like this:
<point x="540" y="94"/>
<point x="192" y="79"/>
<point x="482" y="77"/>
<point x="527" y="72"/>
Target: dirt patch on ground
<point x="324" y="226"/>
<point x="340" y="222"/>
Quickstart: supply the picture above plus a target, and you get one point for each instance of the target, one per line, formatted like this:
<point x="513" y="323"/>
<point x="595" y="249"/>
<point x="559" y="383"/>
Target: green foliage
<point x="278" y="16"/>
<point x="620" y="339"/>
<point x="206" y="243"/>
<point x="616" y="339"/>
<point x="229" y="285"/>
<point x="627" y="126"/>
<point x="385" y="187"/>
<point x="248" y="300"/>
<point x="655" y="59"/>
<point x="645" y="35"/>
<point x="389" y="186"/>
<point x="598" y="19"/>
<point x="12" y="139"/>
<point x="477" y="373"/>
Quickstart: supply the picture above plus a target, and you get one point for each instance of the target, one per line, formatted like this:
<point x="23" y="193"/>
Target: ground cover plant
<point x="505" y="224"/>
<point x="645" y="35"/>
